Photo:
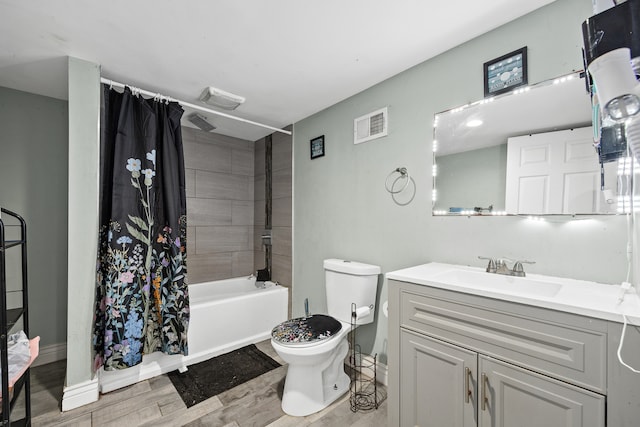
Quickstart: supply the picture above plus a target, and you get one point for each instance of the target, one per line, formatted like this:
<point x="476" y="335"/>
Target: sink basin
<point x="581" y="297"/>
<point x="498" y="282"/>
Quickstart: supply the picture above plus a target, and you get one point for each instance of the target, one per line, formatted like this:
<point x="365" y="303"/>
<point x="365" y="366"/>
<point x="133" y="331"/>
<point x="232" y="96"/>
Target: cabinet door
<point x="517" y="397"/>
<point x="437" y="383"/>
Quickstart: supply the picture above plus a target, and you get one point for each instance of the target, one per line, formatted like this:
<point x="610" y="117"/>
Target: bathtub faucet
<point x="259" y="283"/>
<point x="261" y="277"/>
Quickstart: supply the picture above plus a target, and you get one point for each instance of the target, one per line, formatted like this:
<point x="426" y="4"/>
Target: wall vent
<point x="370" y="126"/>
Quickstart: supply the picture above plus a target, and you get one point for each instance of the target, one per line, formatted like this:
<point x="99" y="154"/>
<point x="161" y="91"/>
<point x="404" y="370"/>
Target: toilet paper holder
<point x="361" y="312"/>
<point x="364" y="393"/>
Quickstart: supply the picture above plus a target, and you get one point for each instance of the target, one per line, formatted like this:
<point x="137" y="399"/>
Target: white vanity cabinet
<point x="463" y="360"/>
<point x="446" y="385"/>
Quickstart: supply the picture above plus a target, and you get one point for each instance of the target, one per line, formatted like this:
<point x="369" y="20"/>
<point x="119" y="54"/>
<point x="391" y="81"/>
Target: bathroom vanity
<point x="470" y="348"/>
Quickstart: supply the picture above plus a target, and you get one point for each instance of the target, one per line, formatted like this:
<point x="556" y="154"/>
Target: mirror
<point x="528" y="152"/>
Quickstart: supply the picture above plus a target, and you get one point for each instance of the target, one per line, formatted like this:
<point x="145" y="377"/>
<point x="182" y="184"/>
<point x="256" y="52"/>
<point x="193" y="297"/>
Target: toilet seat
<point x="306" y="331"/>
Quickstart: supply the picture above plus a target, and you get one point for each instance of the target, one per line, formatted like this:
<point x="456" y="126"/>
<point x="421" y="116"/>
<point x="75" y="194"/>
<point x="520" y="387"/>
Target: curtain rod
<point x="194" y="106"/>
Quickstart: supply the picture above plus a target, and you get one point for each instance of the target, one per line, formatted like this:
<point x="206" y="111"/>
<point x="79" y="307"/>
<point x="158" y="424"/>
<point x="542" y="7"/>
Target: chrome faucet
<point x="491" y="267"/>
<point x="499" y="266"/>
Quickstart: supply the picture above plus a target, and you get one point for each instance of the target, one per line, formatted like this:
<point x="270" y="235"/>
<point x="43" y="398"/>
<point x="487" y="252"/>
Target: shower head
<point x="200" y="121"/>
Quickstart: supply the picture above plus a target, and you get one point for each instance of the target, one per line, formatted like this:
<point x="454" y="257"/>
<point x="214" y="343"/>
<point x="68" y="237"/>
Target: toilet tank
<point x="350" y="282"/>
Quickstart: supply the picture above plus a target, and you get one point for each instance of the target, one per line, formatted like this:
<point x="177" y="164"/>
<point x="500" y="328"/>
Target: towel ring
<point x="404" y="173"/>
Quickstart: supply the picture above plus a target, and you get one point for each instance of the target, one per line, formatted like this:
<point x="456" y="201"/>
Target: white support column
<point x="84" y="154"/>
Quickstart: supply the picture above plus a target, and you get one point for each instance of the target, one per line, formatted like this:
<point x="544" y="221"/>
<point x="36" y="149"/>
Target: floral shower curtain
<point x="142" y="302"/>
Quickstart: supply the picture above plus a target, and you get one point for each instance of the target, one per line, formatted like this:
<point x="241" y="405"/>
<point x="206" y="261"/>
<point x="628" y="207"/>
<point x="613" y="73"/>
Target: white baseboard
<point x="80" y="394"/>
<point x="73" y="396"/>
<point x="157" y="363"/>
<point x="152" y="365"/>
<point x="50" y="353"/>
<point x="382" y="371"/>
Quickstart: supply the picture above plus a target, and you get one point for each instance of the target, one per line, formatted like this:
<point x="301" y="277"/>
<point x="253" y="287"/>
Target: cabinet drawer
<point x="565" y="351"/>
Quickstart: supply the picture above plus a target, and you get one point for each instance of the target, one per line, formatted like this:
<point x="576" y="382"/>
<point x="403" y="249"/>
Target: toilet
<point x="315" y="347"/>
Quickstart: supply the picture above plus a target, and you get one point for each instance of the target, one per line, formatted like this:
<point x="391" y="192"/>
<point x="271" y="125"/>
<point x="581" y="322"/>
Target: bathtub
<point x="225" y="315"/>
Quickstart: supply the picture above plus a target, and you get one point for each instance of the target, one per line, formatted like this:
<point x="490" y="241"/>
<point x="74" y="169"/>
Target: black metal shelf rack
<point x="9" y="317"/>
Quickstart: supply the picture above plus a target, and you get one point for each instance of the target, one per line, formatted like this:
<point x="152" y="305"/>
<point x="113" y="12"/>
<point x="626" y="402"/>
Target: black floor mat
<point x="211" y="377"/>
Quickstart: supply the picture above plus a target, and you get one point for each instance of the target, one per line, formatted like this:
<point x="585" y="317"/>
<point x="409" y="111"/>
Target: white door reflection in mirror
<point x="557" y="173"/>
<point x="471" y="173"/>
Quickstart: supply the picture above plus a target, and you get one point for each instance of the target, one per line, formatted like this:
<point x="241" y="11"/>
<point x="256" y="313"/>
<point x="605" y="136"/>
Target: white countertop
<point x="573" y="296"/>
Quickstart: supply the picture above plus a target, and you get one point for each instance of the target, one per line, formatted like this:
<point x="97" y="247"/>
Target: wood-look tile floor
<point x="155" y="402"/>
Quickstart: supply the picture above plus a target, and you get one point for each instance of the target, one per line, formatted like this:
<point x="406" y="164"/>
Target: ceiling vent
<point x="370" y="126"/>
<point x="220" y="98"/>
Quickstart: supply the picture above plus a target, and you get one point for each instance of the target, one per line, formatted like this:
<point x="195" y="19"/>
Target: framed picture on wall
<point x="505" y="73"/>
<point x="317" y="147"/>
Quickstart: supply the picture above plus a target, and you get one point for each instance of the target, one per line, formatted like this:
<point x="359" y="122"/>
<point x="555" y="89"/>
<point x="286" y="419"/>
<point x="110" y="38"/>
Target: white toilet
<point x="315" y="347"/>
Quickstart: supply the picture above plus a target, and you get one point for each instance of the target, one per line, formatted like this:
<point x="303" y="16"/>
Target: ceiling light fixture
<point x="474" y="123"/>
<point x="220" y="98"/>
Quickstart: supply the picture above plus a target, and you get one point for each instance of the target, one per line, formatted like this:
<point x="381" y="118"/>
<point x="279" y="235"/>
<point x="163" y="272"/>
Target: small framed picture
<point x="317" y="147"/>
<point x="505" y="73"/>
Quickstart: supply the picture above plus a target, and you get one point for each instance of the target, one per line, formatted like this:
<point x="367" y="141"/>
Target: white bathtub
<point x="225" y="315"/>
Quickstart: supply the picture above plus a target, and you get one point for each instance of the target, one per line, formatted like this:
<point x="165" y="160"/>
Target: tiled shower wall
<point x="225" y="180"/>
<point x="220" y="205"/>
<point x="281" y="206"/>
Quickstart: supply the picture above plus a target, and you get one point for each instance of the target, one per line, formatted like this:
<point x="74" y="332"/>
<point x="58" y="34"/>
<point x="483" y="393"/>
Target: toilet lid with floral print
<point x="305" y="330"/>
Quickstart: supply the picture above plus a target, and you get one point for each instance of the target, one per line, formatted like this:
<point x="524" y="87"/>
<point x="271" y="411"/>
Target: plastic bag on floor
<point x="18" y="353"/>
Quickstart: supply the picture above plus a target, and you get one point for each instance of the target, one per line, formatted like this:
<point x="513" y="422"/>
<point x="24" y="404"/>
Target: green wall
<point x="33" y="183"/>
<point x="341" y="207"/>
<point x="475" y="178"/>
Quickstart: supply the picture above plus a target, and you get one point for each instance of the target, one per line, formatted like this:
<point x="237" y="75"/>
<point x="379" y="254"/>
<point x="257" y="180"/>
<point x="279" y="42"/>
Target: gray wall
<point x="226" y="205"/>
<point x="471" y="179"/>
<point x="341" y="208"/>
<point x="220" y="191"/>
<point x="281" y="215"/>
<point x="281" y="206"/>
<point x="33" y="183"/>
